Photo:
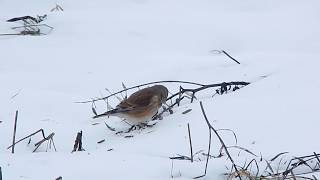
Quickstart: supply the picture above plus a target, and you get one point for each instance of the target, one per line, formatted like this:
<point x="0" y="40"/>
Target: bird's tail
<point x="108" y="113"/>
<point x="112" y="112"/>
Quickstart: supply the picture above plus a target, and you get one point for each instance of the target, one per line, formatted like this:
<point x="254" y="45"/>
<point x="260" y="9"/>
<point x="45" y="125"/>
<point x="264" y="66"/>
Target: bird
<point x="140" y="106"/>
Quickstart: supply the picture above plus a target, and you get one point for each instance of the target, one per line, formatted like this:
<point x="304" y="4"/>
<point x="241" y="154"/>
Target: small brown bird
<point x="141" y="106"/>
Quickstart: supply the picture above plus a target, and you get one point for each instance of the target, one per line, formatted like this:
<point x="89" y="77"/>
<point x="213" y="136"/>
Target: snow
<point x="100" y="44"/>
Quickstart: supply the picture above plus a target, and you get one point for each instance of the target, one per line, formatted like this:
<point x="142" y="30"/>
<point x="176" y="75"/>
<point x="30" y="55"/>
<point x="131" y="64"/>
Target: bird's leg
<point x="138" y="126"/>
<point x="144" y="125"/>
<point x="169" y="108"/>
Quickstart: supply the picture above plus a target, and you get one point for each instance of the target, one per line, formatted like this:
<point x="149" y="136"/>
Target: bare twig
<point x="57" y="8"/>
<point x="23" y="18"/>
<point x="93" y="108"/>
<point x="230" y="56"/>
<point x="317" y="157"/>
<point x="250" y="164"/>
<point x="124" y="87"/>
<point x="0" y="173"/>
<point x="33" y="25"/>
<point x="269" y="166"/>
<point x="303" y="157"/>
<point x="49" y="139"/>
<point x="208" y="156"/>
<point x="186" y="111"/>
<point x="40" y="130"/>
<point x="222" y="86"/>
<point x="109" y="127"/>
<point x="14" y="132"/>
<point x="234" y="134"/>
<point x="274" y="158"/>
<point x="209" y="149"/>
<point x="220" y="139"/>
<point x="293" y="176"/>
<point x="243" y="149"/>
<point x="190" y="142"/>
<point x="225" y="53"/>
<point x="16" y="94"/>
<point x="180" y="157"/>
<point x="101" y="141"/>
<point x="171" y="172"/>
<point x="78" y="143"/>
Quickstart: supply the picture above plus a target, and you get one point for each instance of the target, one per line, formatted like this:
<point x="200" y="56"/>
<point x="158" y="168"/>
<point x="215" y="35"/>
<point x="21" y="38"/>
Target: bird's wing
<point x="138" y="99"/>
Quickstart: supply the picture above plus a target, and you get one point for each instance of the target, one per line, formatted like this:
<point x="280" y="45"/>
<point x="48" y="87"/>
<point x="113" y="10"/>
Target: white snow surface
<point x="100" y="44"/>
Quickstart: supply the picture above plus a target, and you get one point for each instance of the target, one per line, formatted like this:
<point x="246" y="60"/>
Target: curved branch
<point x="155" y="82"/>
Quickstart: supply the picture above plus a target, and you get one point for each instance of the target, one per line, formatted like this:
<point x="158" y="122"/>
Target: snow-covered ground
<point x="100" y="44"/>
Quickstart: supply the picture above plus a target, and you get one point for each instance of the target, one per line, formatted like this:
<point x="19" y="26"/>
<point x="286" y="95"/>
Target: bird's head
<point x="163" y="92"/>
